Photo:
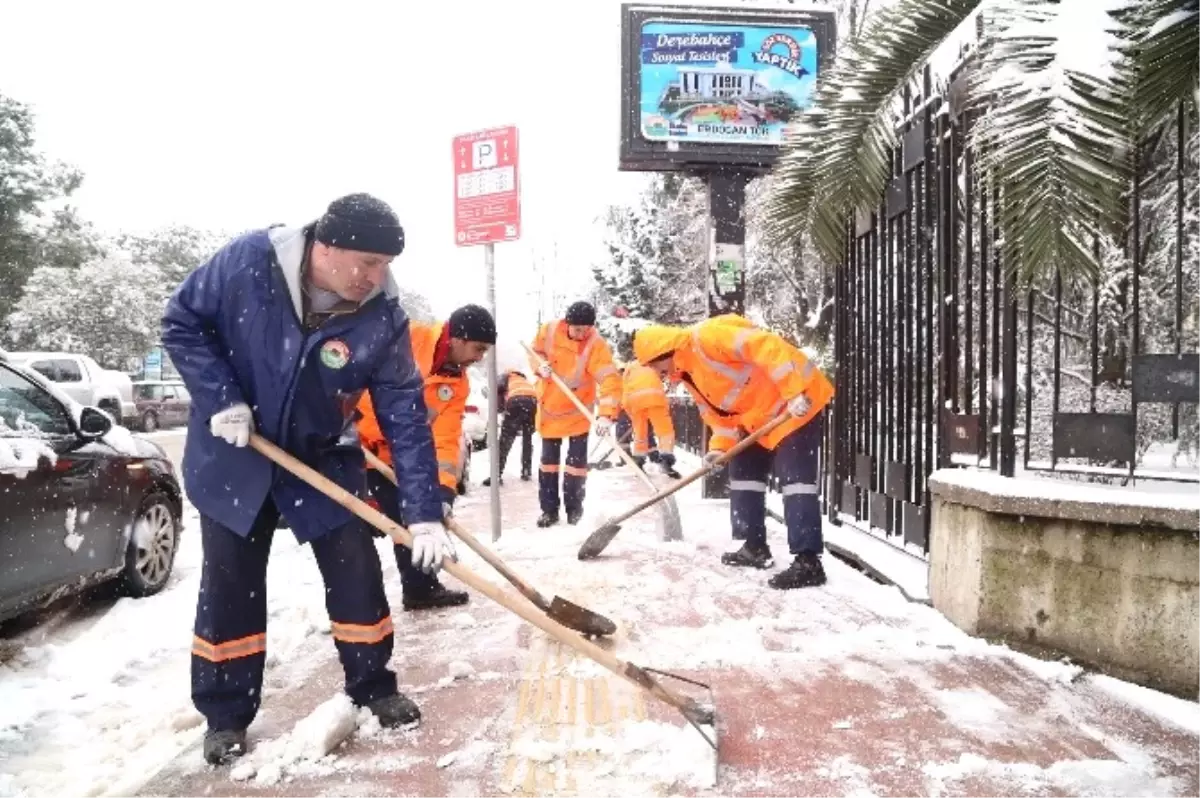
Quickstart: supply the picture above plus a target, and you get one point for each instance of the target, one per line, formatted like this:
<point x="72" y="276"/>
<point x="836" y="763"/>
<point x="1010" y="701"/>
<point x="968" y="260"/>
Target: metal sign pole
<point x="493" y="436"/>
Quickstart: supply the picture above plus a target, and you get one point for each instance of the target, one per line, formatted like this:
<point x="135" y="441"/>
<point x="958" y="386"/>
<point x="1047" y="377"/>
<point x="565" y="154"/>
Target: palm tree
<point x="1063" y="91"/>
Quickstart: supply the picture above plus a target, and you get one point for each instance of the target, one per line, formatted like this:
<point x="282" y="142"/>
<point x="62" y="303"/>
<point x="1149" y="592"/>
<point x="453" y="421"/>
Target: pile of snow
<point x="643" y="757"/>
<point x="307" y="749"/>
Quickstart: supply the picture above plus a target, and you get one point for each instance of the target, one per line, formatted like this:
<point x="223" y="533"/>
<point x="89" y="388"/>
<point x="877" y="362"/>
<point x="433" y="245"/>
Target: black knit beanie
<point x="581" y="313"/>
<point x="362" y="223"/>
<point x="473" y="323"/>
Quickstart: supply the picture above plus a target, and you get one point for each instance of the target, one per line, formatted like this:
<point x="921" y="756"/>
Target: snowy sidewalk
<point x="845" y="689"/>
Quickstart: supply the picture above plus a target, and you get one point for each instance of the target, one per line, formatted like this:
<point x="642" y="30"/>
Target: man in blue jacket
<point x="279" y="333"/>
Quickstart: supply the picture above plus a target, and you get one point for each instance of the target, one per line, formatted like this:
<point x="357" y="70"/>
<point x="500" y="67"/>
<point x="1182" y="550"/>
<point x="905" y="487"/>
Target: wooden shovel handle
<point x="743" y="444"/>
<point x="628" y="671"/>
<point x="626" y="456"/>
<point x="527" y="590"/>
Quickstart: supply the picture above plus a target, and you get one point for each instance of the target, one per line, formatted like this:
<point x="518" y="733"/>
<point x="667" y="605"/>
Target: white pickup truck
<point x="83" y="380"/>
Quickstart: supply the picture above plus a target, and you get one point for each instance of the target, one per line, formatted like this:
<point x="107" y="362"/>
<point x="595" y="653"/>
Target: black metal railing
<point x="942" y="358"/>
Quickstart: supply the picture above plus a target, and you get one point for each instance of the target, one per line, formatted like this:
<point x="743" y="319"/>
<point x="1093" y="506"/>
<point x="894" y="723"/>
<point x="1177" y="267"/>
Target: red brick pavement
<point x="841" y="690"/>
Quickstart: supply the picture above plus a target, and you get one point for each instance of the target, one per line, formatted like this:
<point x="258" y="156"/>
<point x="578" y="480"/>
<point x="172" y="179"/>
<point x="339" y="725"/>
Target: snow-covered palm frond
<point x="837" y="154"/>
<point x="1160" y="67"/>
<point x="1055" y="136"/>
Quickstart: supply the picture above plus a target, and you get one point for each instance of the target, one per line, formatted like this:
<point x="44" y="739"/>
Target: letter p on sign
<point x="483" y="154"/>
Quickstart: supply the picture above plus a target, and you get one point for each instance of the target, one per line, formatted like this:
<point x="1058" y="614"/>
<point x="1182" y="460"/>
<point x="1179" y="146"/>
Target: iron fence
<point x="940" y="358"/>
<point x="943" y="358"/>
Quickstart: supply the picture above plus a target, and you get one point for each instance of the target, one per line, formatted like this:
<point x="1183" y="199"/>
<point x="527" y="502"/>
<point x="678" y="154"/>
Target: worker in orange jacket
<point x="742" y="377"/>
<point x="575" y="352"/>
<point x="518" y="400"/>
<point x="645" y="401"/>
<point x="442" y="352"/>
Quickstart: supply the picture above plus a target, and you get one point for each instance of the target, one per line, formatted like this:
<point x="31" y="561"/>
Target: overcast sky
<point x="237" y="115"/>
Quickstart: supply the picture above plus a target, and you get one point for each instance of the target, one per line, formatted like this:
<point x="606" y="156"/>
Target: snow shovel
<point x="598" y="540"/>
<point x="694" y="712"/>
<point x="569" y="614"/>
<point x="672" y="525"/>
<point x="603" y="461"/>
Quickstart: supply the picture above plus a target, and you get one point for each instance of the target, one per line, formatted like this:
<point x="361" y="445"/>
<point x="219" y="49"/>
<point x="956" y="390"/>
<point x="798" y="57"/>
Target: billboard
<point x="709" y="86"/>
<point x="723" y="83"/>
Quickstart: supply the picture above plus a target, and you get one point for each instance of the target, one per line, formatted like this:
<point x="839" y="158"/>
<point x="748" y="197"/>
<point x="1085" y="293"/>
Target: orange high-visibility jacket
<point x="519" y="386"/>
<point x="643" y="389"/>
<point x="582" y="365"/>
<point x="445" y="399"/>
<point x="645" y="400"/>
<point x="740" y="375"/>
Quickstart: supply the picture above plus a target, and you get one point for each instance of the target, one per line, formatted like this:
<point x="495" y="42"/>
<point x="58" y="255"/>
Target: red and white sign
<point x="487" y="191"/>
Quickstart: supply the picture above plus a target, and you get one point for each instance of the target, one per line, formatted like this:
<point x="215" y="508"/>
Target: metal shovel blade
<point x="581" y="619"/>
<point x="598" y="541"/>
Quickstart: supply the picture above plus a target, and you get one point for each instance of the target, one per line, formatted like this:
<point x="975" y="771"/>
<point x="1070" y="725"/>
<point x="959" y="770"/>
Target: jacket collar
<point x="291" y="247"/>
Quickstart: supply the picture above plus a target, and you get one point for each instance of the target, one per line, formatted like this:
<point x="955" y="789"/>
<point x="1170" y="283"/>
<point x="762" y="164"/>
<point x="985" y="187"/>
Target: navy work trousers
<point x="574" y="474"/>
<point x="795" y="464"/>
<point x="229" y="648"/>
<point x="413" y="580"/>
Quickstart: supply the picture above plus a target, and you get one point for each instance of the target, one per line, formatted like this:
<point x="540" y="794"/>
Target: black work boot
<point x="224" y="746"/>
<point x="750" y="555"/>
<point x="573" y="516"/>
<point x="547" y="519"/>
<point x="526" y="477"/>
<point x="396" y="711"/>
<point x="805" y="571"/>
<point x="487" y="483"/>
<point x="433" y="598"/>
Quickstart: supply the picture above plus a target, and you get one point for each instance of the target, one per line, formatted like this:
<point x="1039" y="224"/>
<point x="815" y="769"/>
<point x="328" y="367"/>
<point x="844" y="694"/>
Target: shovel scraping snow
<point x="699" y="715"/>
<point x="568" y="613"/>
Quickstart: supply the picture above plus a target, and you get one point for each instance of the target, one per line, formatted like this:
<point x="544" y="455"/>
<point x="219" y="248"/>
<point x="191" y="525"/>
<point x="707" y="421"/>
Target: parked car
<point x="81" y="378"/>
<point x="81" y="501"/>
<point x="161" y="403"/>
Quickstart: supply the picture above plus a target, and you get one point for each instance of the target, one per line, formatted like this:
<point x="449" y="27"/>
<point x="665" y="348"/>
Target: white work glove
<point x="430" y="546"/>
<point x="544" y="371"/>
<point x="711" y="458"/>
<point x="603" y="427"/>
<point x="234" y="424"/>
<point x="799" y="406"/>
<point x="447" y="510"/>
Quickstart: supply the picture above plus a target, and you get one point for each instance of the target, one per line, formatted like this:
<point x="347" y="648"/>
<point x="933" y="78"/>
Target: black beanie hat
<point x="362" y="223"/>
<point x="473" y="323"/>
<point x="581" y="313"/>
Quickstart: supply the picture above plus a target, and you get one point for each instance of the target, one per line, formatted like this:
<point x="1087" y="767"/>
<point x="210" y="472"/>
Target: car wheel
<point x="112" y="408"/>
<point x="152" y="545"/>
<point x="149" y="422"/>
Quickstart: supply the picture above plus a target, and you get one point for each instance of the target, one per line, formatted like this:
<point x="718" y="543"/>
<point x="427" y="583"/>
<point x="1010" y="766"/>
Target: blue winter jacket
<point x="233" y="330"/>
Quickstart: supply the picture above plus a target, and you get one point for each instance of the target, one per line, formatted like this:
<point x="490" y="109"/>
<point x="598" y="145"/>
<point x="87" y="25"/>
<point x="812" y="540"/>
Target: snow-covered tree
<point x="657" y="260"/>
<point x="175" y="250"/>
<point x="28" y="182"/>
<point x="109" y="308"/>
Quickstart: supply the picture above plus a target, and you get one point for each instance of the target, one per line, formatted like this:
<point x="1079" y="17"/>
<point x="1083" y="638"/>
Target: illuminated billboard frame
<point x="708" y="86"/>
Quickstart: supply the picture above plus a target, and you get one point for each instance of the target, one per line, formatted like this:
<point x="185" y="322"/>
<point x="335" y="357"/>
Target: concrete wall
<point x="1110" y="578"/>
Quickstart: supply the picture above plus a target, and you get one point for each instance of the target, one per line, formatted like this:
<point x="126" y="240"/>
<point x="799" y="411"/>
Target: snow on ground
<point x="109" y="694"/>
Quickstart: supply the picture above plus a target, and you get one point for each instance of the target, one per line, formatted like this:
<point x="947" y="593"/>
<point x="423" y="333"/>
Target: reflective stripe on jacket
<point x="519" y="386"/>
<point x="740" y="375"/>
<point x="584" y="366"/>
<point x="642" y="389"/>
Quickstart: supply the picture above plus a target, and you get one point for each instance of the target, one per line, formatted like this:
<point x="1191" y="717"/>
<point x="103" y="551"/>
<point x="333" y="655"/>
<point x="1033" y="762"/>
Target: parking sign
<point x="487" y="199"/>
